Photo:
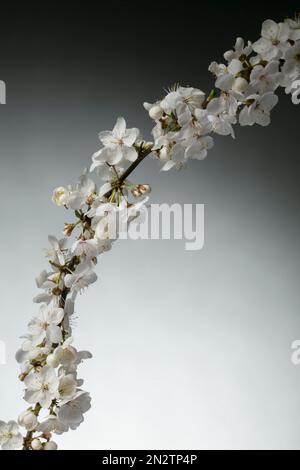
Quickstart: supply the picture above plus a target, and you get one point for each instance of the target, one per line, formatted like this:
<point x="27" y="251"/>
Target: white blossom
<point x="294" y="25"/>
<point x="259" y="111"/>
<point x="46" y="324"/>
<point x="70" y="367"/>
<point x="67" y="387"/>
<point x="264" y="79"/>
<point x="82" y="277"/>
<point x="222" y="114"/>
<point x="239" y="50"/>
<point x="273" y="42"/>
<point x="217" y="69"/>
<point x="88" y="249"/>
<point x="56" y="252"/>
<point x="194" y="135"/>
<point x="63" y="354"/>
<point x="292" y="60"/>
<point x="52" y="424"/>
<point x="31" y="350"/>
<point x="41" y="387"/>
<point x="10" y="437"/>
<point x="74" y="197"/>
<point x="61" y="196"/>
<point x="119" y="142"/>
<point x="71" y="413"/>
<point x="226" y="79"/>
<point x="107" y="156"/>
<point x="155" y="110"/>
<point x="182" y="98"/>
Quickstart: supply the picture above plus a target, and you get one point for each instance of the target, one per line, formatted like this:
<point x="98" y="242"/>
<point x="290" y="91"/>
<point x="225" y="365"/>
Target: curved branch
<point x="185" y="121"/>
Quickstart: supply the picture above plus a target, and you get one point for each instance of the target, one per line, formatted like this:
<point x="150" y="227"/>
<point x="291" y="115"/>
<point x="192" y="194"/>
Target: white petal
<point x="215" y="106"/>
<point x="41" y="278"/>
<point x="261" y="118"/>
<point x="104" y="189"/>
<point x="244" y="118"/>
<point x="115" y="156"/>
<point x="268" y="101"/>
<point x="168" y="165"/>
<point x="235" y="67"/>
<point x="56" y="315"/>
<point x="130" y="136"/>
<point x="32" y="396"/>
<point x="106" y="137"/>
<point x="120" y="127"/>
<point x="32" y="381"/>
<point x="130" y="153"/>
<point x="224" y="82"/>
<point x="283" y="32"/>
<point x="53" y="242"/>
<point x="269" y="29"/>
<point x="54" y="334"/>
<point x="256" y="72"/>
<point x="262" y="46"/>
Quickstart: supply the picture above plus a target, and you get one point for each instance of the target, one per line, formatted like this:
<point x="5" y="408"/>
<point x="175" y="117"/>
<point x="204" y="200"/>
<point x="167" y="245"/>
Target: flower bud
<point x="28" y="420"/>
<point x="144" y="188"/>
<point x="56" y="291"/>
<point x="60" y="196"/>
<point x="240" y="84"/>
<point x="164" y="153"/>
<point x="51" y="445"/>
<point x="52" y="361"/>
<point x="68" y="229"/>
<point x="135" y="192"/>
<point x="36" y="444"/>
<point x="156" y="112"/>
<point x="89" y="200"/>
<point x="148" y="145"/>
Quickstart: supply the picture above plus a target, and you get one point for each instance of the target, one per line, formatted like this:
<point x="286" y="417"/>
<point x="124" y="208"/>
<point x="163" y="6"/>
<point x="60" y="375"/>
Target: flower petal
<point x="120" y="128"/>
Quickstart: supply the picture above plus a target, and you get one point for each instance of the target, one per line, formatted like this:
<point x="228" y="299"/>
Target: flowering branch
<point x="185" y="119"/>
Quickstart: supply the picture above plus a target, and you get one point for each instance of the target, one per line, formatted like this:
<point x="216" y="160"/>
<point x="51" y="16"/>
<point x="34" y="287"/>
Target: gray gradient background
<point x="191" y="349"/>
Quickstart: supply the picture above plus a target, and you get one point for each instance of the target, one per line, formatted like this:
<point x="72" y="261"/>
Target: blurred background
<point x="191" y="349"/>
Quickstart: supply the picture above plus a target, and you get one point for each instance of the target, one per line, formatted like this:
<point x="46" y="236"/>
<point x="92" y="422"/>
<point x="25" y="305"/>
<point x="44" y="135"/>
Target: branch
<point x="143" y="153"/>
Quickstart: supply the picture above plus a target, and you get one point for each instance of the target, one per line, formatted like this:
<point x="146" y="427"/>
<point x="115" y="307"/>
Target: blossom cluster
<point x="47" y="357"/>
<point x="185" y="122"/>
<point x="244" y="93"/>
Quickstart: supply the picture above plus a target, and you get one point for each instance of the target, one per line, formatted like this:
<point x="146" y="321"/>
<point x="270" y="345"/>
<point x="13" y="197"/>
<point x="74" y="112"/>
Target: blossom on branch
<point x="186" y="122"/>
